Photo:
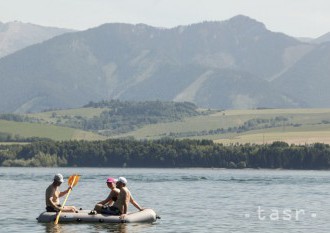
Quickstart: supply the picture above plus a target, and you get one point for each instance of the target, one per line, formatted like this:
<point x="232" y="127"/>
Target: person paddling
<point x="53" y="195"/>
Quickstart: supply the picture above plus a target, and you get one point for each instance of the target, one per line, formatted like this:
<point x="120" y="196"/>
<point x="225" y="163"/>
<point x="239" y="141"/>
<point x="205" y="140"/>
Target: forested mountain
<point x="236" y="63"/>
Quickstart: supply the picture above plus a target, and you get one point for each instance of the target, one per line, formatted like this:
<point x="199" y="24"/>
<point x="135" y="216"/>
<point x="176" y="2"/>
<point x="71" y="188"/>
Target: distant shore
<point x="165" y="153"/>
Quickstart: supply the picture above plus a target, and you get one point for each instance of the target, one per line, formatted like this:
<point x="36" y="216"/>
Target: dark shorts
<point x="111" y="210"/>
<point x="51" y="209"/>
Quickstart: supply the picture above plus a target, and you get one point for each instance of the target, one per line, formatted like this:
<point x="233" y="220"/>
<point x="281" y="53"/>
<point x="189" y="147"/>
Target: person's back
<point x="123" y="197"/>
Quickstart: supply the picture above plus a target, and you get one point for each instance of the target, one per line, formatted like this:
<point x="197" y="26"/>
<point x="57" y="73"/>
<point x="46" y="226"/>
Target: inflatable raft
<point x="83" y="216"/>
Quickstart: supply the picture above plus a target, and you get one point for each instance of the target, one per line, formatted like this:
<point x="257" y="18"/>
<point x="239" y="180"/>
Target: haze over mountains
<point x="16" y="35"/>
<point x="236" y="63"/>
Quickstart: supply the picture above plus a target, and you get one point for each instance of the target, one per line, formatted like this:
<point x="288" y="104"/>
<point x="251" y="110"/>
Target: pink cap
<point x="111" y="180"/>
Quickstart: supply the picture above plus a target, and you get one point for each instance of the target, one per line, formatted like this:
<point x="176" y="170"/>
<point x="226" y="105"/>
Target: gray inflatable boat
<point x="83" y="216"/>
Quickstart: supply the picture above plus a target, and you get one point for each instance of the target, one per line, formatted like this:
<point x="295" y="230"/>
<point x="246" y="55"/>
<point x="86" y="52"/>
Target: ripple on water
<point x="188" y="200"/>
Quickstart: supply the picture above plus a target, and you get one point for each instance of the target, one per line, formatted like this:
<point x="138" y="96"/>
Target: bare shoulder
<point x="125" y="191"/>
<point x="115" y="191"/>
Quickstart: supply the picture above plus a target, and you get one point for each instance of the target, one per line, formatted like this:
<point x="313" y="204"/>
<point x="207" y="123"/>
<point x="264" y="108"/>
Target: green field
<point x="302" y="126"/>
<point x="48" y="117"/>
<point x="25" y="129"/>
<point x="311" y="126"/>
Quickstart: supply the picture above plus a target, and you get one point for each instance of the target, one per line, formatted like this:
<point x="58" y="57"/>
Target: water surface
<point x="188" y="200"/>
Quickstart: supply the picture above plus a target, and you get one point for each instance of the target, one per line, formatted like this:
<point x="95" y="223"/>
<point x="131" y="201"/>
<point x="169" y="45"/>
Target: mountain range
<point x="237" y="63"/>
<point x="17" y="35"/>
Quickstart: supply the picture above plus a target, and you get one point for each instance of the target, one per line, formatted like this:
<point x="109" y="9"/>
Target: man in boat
<point x="124" y="198"/>
<point x="106" y="204"/>
<point x="53" y="195"/>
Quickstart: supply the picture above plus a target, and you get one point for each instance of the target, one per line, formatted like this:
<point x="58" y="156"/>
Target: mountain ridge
<point x="17" y="35"/>
<point x="240" y="59"/>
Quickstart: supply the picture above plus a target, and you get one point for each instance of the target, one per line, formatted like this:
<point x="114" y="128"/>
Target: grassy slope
<point x="310" y="131"/>
<point x="47" y="131"/>
<point x="84" y="112"/>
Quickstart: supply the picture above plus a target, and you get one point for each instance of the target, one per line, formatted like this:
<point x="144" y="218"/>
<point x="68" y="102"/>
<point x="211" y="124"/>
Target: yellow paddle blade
<point x="73" y="180"/>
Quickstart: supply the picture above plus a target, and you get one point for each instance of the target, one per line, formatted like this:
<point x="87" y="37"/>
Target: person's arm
<point x="107" y="200"/>
<point x="135" y="204"/>
<point x="64" y="192"/>
<point x="54" y="204"/>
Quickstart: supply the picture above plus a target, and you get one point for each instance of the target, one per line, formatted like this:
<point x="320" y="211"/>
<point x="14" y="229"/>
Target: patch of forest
<point x="166" y="153"/>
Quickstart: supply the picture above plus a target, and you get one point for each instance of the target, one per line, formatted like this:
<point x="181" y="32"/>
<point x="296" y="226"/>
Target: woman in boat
<point x="112" y="197"/>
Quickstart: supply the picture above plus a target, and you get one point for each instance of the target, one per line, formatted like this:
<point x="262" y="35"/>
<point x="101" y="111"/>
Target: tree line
<point x="166" y="153"/>
<point x="9" y="137"/>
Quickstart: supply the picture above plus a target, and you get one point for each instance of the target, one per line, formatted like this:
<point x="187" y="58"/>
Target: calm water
<point x="188" y="200"/>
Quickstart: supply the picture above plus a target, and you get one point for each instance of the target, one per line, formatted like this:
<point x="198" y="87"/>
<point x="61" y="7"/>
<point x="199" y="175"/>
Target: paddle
<point x="72" y="181"/>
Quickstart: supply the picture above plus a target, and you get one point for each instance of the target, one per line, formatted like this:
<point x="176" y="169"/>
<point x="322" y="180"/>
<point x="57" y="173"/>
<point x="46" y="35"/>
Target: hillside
<point x="310" y="76"/>
<point x="21" y="130"/>
<point x="16" y="35"/>
<point x="113" y="117"/>
<point x="212" y="138"/>
<point x="322" y="39"/>
<point x="298" y="126"/>
<point x="157" y="120"/>
<point x="213" y="64"/>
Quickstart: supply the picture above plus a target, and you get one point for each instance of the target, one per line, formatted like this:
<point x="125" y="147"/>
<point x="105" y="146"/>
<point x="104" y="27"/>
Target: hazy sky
<point x="304" y="18"/>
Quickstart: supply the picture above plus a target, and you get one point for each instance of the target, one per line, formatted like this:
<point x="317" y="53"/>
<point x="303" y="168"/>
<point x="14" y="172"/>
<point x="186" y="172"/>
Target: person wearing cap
<point x="105" y="205"/>
<point x="53" y="195"/>
<point x="124" y="198"/>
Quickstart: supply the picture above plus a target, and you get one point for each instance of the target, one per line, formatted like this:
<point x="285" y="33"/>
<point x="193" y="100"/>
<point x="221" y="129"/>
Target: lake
<point x="187" y="200"/>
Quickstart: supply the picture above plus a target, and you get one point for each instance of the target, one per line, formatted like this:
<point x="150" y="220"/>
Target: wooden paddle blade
<point x="73" y="180"/>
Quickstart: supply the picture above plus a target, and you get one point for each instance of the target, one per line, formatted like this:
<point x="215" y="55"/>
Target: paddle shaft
<point x="66" y="198"/>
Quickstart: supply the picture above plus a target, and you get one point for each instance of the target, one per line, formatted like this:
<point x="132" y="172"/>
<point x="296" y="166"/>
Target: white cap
<point x="59" y="178"/>
<point x="122" y="180"/>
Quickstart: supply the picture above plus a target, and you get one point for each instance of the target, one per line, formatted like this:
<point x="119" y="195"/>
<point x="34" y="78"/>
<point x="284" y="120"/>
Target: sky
<point x="299" y="18"/>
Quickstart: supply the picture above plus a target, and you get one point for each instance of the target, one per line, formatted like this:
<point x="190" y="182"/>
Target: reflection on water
<point x="96" y="227"/>
<point x="67" y="228"/>
<point x="188" y="200"/>
<point x="52" y="228"/>
<point x="116" y="228"/>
